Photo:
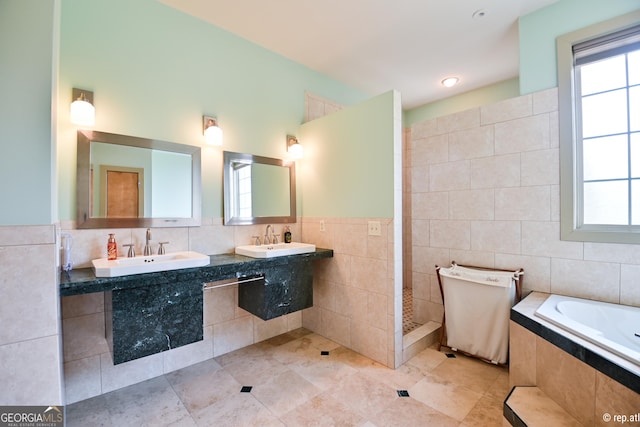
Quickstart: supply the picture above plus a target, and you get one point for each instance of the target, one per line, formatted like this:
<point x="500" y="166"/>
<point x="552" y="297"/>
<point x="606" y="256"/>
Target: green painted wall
<point x="539" y="30"/>
<point x="27" y="64"/>
<point x="347" y="170"/>
<point x="155" y="71"/>
<point x="475" y="98"/>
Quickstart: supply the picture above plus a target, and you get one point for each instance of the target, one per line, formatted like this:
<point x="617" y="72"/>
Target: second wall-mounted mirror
<point x="258" y="190"/>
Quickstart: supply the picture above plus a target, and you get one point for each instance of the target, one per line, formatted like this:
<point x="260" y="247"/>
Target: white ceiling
<point x="379" y="45"/>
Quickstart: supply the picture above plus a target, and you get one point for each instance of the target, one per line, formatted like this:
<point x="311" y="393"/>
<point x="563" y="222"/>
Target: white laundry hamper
<point x="477" y="304"/>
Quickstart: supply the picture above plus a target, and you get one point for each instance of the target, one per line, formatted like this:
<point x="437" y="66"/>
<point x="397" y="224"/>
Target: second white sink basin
<point x="148" y="264"/>
<point x="276" y="250"/>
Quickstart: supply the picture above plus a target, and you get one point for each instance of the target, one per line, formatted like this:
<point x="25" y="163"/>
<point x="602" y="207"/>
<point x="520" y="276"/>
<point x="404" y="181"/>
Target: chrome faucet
<point x="267" y="240"/>
<point x="147" y="246"/>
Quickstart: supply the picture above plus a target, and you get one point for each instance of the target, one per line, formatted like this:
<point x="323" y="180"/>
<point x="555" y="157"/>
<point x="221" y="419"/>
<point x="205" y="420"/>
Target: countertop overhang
<point x="221" y="267"/>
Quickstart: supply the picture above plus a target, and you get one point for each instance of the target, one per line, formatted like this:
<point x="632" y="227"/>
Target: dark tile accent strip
<point x="607" y="367"/>
<point x="510" y="414"/>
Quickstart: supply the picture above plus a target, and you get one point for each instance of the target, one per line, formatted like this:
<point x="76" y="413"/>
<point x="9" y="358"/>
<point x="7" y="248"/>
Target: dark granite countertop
<point x="221" y="267"/>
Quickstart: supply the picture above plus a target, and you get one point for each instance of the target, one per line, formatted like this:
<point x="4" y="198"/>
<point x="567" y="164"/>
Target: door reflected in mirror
<point x="258" y="190"/>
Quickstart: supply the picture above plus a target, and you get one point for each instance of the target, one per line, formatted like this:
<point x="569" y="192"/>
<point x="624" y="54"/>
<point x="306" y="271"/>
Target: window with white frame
<point x="599" y="89"/>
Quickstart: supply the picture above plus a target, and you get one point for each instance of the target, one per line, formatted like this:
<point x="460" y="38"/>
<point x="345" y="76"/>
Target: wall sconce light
<point x="212" y="133"/>
<point x="295" y="149"/>
<point x="82" y="112"/>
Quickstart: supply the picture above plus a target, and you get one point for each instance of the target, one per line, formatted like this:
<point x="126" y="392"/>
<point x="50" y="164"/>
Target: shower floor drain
<point x="246" y="389"/>
<point x="324" y="353"/>
<point x="403" y="393"/>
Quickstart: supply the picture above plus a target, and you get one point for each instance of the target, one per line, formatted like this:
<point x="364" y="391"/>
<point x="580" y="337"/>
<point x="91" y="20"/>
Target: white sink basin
<point x="276" y="250"/>
<point x="148" y="264"/>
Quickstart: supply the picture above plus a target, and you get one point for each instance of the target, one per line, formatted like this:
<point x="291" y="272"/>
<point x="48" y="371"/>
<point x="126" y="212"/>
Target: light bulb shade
<point x="296" y="150"/>
<point x="450" y="81"/>
<point x="213" y="135"/>
<point x="82" y="113"/>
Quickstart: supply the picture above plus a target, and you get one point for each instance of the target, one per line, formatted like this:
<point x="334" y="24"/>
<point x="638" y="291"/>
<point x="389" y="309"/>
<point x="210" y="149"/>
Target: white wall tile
<point x="526" y="134"/>
<point x="32" y="372"/>
<point x="523" y="203"/>
<point x="509" y="109"/>
<point x="430" y="150"/>
<point x="612" y="252"/>
<point x="471" y="143"/>
<point x="586" y="279"/>
<point x="450" y="176"/>
<point x="545" y="101"/>
<point x="30" y="299"/>
<point x="495" y="172"/>
<point x="496" y="236"/>
<point x="462" y="120"/>
<point x="472" y="204"/>
<point x="630" y="285"/>
<point x="450" y="234"/>
<point x="127" y="373"/>
<point x="537" y="270"/>
<point x="187" y="355"/>
<point x="543" y="239"/>
<point x="540" y="167"/>
<point x="430" y="205"/>
<point x="232" y="335"/>
<point x="82" y="379"/>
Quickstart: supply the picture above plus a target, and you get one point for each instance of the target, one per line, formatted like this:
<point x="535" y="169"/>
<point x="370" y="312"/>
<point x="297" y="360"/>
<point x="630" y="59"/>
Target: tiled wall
<point x="30" y="359"/>
<point x="581" y="390"/>
<point x="353" y="295"/>
<point x="88" y="368"/>
<point x="485" y="191"/>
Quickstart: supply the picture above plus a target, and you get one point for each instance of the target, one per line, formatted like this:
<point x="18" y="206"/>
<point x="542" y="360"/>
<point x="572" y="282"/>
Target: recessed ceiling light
<point x="450" y="81"/>
<point x="479" y="14"/>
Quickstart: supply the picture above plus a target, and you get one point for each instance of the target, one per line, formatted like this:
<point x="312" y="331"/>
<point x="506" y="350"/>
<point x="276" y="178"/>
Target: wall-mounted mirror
<point x="258" y="190"/>
<point x="125" y="181"/>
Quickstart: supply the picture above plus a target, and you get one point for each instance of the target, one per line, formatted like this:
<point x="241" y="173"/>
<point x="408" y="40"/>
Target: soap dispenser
<point x="287" y="234"/>
<point x="112" y="247"/>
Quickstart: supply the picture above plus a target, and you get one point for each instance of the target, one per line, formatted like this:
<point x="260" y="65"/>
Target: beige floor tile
<point x="427" y="360"/>
<point x="471" y="373"/>
<point x="449" y="398"/>
<point x="486" y="413"/>
<point x="285" y="392"/>
<point x="364" y="395"/>
<point x="151" y="403"/>
<point x="237" y="410"/>
<point x="410" y="413"/>
<point x="321" y="411"/>
<point x="202" y="385"/>
<point x="295" y="385"/>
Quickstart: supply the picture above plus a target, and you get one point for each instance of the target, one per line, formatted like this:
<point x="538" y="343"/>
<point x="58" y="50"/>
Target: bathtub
<point x="613" y="327"/>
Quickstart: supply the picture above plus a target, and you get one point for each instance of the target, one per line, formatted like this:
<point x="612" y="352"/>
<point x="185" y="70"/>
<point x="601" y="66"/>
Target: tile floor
<point x="408" y="324"/>
<point x="294" y="384"/>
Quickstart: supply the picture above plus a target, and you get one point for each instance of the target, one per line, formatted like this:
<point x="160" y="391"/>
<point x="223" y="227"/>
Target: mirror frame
<point x="83" y="181"/>
<point x="231" y="157"/>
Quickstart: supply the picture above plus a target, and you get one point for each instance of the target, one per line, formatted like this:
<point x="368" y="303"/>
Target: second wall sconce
<point x="212" y="133"/>
<point x="82" y="112"/>
<point x="294" y="148"/>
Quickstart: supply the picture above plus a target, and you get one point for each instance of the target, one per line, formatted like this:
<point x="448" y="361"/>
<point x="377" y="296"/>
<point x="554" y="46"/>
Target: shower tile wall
<point x="485" y="191"/>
